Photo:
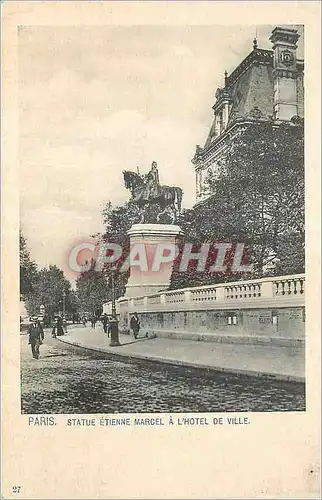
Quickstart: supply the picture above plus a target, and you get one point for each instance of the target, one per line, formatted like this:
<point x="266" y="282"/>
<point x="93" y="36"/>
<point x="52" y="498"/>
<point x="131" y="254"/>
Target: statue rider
<point x="152" y="199"/>
<point x="152" y="188"/>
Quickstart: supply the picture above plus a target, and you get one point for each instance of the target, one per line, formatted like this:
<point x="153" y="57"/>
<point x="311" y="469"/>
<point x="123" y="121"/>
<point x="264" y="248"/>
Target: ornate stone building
<point x="267" y="85"/>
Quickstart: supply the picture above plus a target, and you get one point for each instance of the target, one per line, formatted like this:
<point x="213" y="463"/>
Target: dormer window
<point x="221" y="109"/>
<point x="221" y="120"/>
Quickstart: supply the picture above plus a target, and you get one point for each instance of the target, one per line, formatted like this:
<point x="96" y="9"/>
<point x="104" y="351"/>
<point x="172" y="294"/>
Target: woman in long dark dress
<point x="60" y="327"/>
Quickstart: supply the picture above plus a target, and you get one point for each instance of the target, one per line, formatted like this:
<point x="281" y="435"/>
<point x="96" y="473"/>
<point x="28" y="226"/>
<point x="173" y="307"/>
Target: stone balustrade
<point x="246" y="293"/>
<point x="273" y="291"/>
<point x="153" y="299"/>
<point x="257" y="311"/>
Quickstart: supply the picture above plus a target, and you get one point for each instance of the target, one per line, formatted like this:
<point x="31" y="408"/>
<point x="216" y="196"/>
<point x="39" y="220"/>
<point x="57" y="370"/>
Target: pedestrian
<point x="60" y="326"/>
<point x="84" y="321"/>
<point x="109" y="328"/>
<point x="105" y="322"/>
<point x="93" y="321"/>
<point x="135" y="324"/>
<point x="36" y="336"/>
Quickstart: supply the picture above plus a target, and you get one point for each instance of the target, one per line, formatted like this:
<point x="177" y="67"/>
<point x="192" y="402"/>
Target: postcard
<point x="160" y="250"/>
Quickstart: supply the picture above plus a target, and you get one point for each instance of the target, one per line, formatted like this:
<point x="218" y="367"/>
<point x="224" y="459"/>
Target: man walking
<point x="135" y="324"/>
<point x="105" y="322"/>
<point x="36" y="336"/>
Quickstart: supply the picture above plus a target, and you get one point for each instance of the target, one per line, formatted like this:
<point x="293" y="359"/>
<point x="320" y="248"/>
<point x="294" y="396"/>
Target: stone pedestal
<point x="152" y="255"/>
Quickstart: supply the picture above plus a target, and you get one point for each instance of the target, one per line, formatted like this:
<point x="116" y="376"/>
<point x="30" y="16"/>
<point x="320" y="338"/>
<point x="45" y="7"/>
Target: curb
<point x="173" y="362"/>
<point x="231" y="339"/>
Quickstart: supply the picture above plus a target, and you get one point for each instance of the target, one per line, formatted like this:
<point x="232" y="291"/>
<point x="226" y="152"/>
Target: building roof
<point x="256" y="56"/>
<point x="249" y="88"/>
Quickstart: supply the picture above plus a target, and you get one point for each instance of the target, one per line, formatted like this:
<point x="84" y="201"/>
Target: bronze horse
<point x="143" y="195"/>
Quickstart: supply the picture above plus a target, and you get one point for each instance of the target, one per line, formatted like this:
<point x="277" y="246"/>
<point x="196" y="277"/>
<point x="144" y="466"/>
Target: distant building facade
<point x="266" y="86"/>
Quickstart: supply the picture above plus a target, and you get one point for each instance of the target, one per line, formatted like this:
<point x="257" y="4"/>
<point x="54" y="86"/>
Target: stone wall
<point x="278" y="326"/>
<point x="268" y="310"/>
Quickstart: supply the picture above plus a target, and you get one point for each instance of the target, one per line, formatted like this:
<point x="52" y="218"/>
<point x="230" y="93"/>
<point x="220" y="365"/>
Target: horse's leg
<point x="173" y="213"/>
<point x="160" y="200"/>
<point x="161" y="213"/>
<point x="141" y="215"/>
<point x="171" y="199"/>
<point x="166" y="210"/>
<point x="163" y="200"/>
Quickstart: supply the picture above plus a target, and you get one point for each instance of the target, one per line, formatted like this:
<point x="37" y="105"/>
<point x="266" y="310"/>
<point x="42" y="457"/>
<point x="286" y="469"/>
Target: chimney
<point x="285" y="72"/>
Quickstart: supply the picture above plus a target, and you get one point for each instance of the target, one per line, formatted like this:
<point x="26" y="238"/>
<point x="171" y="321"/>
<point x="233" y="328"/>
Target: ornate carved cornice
<point x="239" y="124"/>
<point x="285" y="73"/>
<point x="284" y="36"/>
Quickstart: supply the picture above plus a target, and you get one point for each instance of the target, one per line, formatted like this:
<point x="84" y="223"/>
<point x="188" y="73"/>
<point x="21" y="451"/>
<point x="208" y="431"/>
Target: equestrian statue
<point x="152" y="198"/>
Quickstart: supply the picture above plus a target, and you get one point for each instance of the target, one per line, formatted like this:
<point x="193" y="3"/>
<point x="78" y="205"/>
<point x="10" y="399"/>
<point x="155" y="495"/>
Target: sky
<point x="95" y="100"/>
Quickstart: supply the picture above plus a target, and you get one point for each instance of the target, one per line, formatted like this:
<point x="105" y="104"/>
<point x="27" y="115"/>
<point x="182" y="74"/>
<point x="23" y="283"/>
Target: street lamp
<point x="64" y="305"/>
<point x="42" y="313"/>
<point x="114" y="327"/>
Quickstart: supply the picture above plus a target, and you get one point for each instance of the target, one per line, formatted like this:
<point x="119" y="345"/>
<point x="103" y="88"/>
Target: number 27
<point x="16" y="489"/>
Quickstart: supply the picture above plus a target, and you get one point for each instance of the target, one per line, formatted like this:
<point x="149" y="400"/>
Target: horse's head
<point x="126" y="179"/>
<point x="131" y="179"/>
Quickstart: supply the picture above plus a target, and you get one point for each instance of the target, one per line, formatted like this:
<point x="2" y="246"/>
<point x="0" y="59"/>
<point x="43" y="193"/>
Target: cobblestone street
<point x="67" y="379"/>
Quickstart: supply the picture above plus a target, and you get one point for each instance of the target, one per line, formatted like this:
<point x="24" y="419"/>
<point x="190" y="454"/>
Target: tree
<point x="28" y="269"/>
<point x="290" y="253"/>
<point x="92" y="289"/>
<point x="73" y="305"/>
<point x="264" y="183"/>
<point x="118" y="220"/>
<point x="191" y="276"/>
<point x="48" y="291"/>
<point x="258" y="199"/>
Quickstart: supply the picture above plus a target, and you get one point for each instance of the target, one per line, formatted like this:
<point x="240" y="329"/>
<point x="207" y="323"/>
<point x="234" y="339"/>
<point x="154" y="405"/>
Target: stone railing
<point x="288" y="286"/>
<point x="174" y="297"/>
<point x="277" y="291"/>
<point x="153" y="299"/>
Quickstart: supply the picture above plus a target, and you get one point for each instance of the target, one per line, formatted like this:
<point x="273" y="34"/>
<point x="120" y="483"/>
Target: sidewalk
<point x="285" y="363"/>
